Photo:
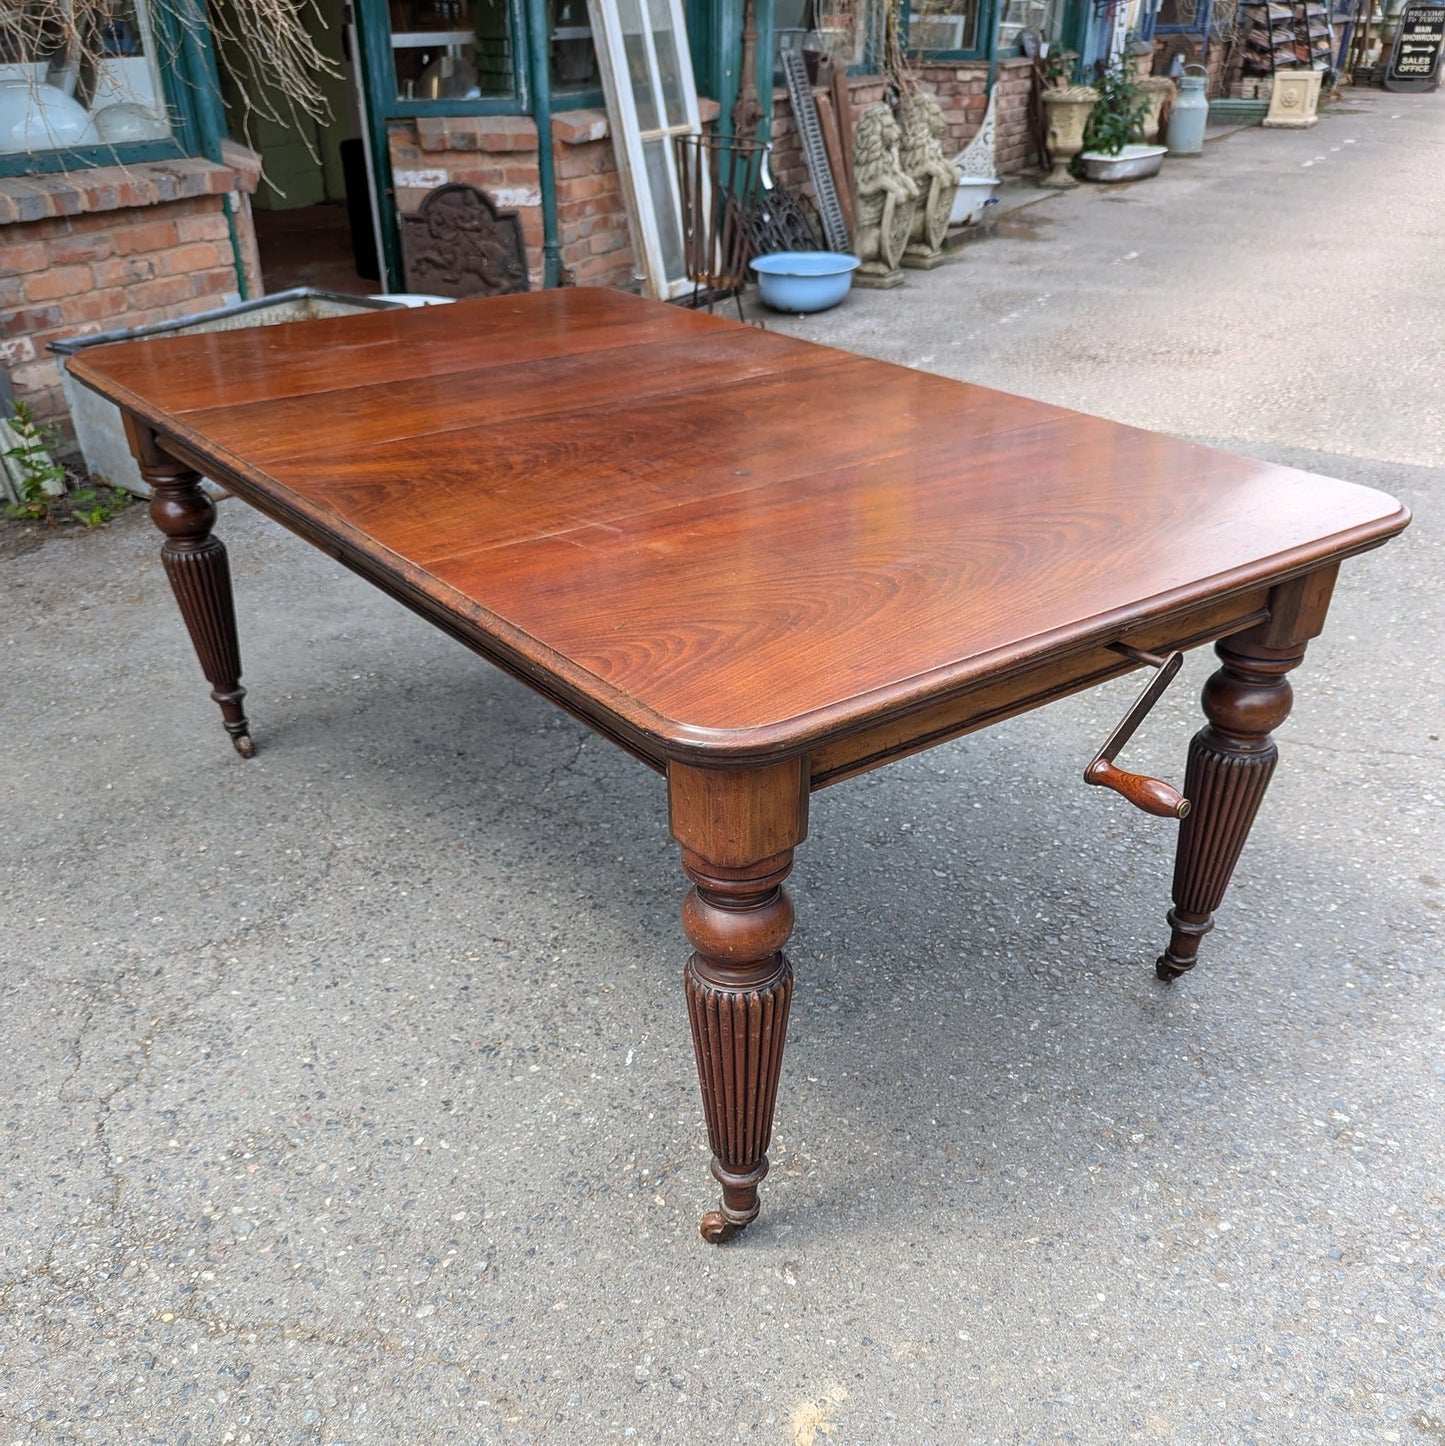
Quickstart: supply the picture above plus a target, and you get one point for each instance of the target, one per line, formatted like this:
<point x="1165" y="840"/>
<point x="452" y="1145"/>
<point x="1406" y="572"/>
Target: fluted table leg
<point x="1232" y="759"/>
<point x="737" y="831"/>
<point x="200" y="576"/>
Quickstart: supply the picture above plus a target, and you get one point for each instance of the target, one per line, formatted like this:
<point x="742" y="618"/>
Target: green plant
<point x="42" y="481"/>
<point x="40" y="475"/>
<point x="91" y="509"/>
<point x="1118" y="117"/>
<point x="1059" y="68"/>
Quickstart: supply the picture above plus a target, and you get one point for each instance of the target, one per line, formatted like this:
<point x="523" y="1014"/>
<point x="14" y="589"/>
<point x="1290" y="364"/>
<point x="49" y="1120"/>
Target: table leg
<point x="1232" y="759"/>
<point x="737" y="831"/>
<point x="200" y="577"/>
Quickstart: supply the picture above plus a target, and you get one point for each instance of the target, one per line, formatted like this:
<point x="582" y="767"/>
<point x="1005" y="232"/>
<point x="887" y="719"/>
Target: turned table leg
<point x="1232" y="759"/>
<point x="200" y="577"/>
<point x="737" y="831"/>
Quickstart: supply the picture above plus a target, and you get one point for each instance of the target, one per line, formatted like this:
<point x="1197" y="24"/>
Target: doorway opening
<point x="312" y="210"/>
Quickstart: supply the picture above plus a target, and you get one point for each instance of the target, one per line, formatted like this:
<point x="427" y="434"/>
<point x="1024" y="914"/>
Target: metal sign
<point x="1415" y="58"/>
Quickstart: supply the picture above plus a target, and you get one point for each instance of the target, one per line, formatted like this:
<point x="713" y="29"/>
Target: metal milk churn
<point x="1189" y="115"/>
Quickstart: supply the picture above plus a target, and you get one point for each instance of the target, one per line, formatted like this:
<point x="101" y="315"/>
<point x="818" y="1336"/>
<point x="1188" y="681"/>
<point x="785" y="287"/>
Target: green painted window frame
<point x="565" y="100"/>
<point x="192" y="90"/>
<point x="374" y="24"/>
<point x="379" y="72"/>
<point x="872" y="62"/>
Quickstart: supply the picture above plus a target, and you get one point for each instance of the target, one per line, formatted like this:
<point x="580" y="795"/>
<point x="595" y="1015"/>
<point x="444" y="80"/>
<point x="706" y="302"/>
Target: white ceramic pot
<point x="38" y="117"/>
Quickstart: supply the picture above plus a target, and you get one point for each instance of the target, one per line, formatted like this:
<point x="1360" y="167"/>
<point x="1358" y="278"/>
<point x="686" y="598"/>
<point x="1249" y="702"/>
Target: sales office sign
<point x="1415" y="59"/>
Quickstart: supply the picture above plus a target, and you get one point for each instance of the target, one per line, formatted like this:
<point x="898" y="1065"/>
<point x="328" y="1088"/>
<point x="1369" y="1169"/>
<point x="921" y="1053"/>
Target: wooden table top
<point x="730" y="540"/>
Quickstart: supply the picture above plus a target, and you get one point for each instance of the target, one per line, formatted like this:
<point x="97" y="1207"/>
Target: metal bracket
<point x="1152" y="795"/>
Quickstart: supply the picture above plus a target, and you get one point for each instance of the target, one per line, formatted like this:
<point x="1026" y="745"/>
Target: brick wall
<point x="103" y="249"/>
<point x="591" y="214"/>
<point x="1015" y="151"/>
<point x="962" y="91"/>
<point x="498" y="154"/>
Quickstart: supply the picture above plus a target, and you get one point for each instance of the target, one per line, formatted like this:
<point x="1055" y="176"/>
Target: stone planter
<point x="1295" y="99"/>
<point x="1066" y="113"/>
<point x="1158" y="90"/>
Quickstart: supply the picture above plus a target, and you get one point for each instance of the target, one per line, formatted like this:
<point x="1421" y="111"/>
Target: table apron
<point x="1030" y="688"/>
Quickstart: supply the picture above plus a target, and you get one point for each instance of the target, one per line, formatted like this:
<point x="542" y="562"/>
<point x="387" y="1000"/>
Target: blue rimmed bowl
<point x="803" y="281"/>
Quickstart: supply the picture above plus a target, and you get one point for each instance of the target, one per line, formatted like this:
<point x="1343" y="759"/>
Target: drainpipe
<point x="538" y="46"/>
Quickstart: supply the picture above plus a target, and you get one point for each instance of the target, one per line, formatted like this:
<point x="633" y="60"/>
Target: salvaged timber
<point x="559" y="481"/>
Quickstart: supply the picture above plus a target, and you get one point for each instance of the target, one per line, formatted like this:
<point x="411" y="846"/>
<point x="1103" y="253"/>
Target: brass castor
<point x="716" y="1228"/>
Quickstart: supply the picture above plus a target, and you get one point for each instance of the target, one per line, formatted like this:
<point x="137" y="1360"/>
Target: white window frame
<point x="629" y="137"/>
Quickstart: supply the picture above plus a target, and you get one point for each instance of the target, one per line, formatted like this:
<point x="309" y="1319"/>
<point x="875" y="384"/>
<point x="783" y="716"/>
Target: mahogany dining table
<point x="758" y="565"/>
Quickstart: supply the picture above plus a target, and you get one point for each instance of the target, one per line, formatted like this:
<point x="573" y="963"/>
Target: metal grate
<point x="835" y="231"/>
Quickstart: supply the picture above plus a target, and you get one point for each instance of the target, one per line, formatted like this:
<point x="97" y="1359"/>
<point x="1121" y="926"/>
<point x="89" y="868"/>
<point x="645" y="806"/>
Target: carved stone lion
<point x="934" y="175"/>
<point x="885" y="199"/>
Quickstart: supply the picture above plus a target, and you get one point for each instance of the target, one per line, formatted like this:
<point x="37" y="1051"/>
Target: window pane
<point x="839" y="27"/>
<point x="1045" y="17"/>
<point x="664" y="204"/>
<point x="667" y="63"/>
<point x="574" y="60"/>
<point x="1178" y="12"/>
<point x="943" y="25"/>
<point x="451" y="49"/>
<point x="98" y="85"/>
<point x="639" y="77"/>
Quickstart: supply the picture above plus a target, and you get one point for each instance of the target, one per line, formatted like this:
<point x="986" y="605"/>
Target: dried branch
<point x="897" y="69"/>
<point x="274" y="64"/>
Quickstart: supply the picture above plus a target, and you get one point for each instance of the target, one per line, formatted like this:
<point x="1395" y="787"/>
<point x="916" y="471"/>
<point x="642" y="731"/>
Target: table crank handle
<point x="1152" y="795"/>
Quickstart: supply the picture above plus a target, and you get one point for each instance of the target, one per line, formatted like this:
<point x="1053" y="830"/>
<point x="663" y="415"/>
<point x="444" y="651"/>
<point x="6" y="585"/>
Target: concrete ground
<point x="347" y="1094"/>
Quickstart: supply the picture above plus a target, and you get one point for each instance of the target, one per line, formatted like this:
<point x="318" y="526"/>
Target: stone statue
<point x="885" y="200"/>
<point x="935" y="177"/>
